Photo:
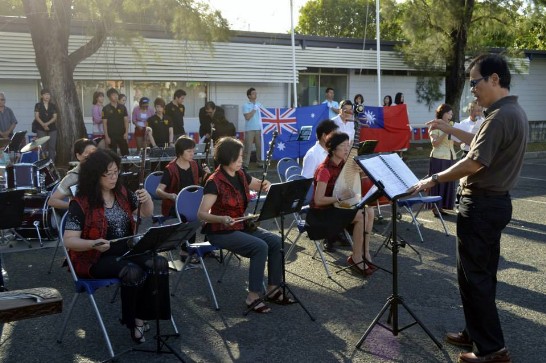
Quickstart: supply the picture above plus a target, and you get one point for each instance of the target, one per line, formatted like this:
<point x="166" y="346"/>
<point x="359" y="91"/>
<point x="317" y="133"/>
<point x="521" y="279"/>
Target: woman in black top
<point x="45" y="116"/>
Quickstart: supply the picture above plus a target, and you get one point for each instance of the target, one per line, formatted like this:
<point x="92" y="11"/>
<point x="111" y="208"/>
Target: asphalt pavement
<point x="342" y="307"/>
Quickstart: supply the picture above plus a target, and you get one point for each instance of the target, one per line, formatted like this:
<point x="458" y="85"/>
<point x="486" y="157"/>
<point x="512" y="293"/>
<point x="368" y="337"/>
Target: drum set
<point x="37" y="177"/>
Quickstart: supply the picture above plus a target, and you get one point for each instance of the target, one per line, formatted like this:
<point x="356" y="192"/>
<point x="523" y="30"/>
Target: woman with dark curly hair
<point x="102" y="211"/>
<point x="225" y="199"/>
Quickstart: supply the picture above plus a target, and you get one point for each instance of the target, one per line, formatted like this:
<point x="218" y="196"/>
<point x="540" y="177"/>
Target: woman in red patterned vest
<point x="101" y="211"/>
<point x="225" y="199"/>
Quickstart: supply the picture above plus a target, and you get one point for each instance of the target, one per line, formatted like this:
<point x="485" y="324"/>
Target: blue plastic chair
<point x="421" y="200"/>
<point x="291" y="171"/>
<point x="56" y="220"/>
<point x="87" y="286"/>
<point x="187" y="205"/>
<point x="151" y="183"/>
<point x="283" y="165"/>
<point x="300" y="224"/>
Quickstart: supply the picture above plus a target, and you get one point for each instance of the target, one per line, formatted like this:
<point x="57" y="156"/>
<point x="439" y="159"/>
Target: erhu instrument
<point x="141" y="176"/>
<point x="251" y="225"/>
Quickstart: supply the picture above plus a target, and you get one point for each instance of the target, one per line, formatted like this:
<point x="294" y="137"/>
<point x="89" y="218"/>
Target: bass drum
<point x="38" y="217"/>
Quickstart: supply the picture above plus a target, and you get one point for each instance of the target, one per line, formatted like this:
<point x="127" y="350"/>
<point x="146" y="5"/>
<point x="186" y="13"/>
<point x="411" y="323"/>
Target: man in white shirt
<point x="317" y="153"/>
<point x="333" y="106"/>
<point x="345" y="120"/>
<point x="470" y="124"/>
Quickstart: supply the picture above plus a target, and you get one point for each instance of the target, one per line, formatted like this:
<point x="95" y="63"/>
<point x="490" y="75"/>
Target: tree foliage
<point x="344" y="18"/>
<point x="50" y="21"/>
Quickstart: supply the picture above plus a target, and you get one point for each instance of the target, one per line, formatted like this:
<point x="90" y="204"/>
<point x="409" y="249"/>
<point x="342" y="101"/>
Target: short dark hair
<point x="227" y="150"/>
<point x="96" y="96"/>
<point x="325" y="127"/>
<point x="81" y="144"/>
<point x="159" y="102"/>
<point x="111" y="91"/>
<point x="90" y="173"/>
<point x="249" y="91"/>
<point x="443" y="109"/>
<point x="122" y="95"/>
<point x="345" y="102"/>
<point x="179" y="93"/>
<point x="328" y="89"/>
<point x="182" y="144"/>
<point x="44" y="91"/>
<point x="488" y="64"/>
<point x="334" y="140"/>
<point x="210" y="105"/>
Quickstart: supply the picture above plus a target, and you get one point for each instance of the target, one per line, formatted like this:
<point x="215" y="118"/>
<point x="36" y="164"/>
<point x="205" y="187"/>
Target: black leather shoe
<point x="501" y="356"/>
<point x="459" y="339"/>
<point x="329" y="246"/>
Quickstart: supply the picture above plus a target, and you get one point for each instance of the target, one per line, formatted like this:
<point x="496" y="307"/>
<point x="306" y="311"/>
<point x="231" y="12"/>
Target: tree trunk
<point x="455" y="65"/>
<point x="50" y="32"/>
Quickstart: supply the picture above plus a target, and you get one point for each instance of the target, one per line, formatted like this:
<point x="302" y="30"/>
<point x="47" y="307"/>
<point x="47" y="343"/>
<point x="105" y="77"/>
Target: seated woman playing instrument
<point x="326" y="221"/>
<point x="101" y="211"/>
<point x="225" y="199"/>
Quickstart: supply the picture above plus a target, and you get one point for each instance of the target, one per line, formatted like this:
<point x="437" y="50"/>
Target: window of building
<point x="313" y="83"/>
<point x="196" y="93"/>
<point x="86" y="89"/>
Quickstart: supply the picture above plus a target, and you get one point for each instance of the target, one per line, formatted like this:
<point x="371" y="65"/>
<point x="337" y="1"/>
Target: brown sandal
<point x="263" y="309"/>
<point x="279" y="299"/>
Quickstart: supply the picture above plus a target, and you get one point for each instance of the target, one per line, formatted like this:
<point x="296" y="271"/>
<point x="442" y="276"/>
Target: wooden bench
<point x="29" y="303"/>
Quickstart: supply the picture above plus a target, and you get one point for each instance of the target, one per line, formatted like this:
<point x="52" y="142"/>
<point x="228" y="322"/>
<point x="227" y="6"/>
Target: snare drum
<point x="38" y="215"/>
<point x="22" y="177"/>
<point x="48" y="174"/>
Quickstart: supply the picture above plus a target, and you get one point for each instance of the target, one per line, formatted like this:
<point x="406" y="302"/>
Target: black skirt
<point x="328" y="222"/>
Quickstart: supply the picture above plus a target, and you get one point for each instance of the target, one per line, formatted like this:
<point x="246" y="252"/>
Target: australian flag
<point x="288" y="123"/>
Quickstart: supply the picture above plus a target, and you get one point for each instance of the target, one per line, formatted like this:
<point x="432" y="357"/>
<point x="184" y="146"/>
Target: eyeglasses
<point x="348" y="111"/>
<point x="474" y="82"/>
<point x="111" y="174"/>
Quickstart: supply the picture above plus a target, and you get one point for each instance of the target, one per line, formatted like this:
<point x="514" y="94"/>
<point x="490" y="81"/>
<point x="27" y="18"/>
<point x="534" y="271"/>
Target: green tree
<point x="345" y="18"/>
<point x="49" y="22"/>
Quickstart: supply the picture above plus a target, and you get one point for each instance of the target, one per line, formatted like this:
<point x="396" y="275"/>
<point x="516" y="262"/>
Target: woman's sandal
<point x="140" y="338"/>
<point x="260" y="308"/>
<point x="279" y="299"/>
<point x="146" y="326"/>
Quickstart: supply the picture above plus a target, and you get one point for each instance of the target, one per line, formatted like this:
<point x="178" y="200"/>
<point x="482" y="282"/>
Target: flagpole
<point x="378" y="53"/>
<point x="294" y="75"/>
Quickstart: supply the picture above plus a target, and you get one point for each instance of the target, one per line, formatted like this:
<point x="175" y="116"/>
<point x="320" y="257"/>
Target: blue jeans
<point x="259" y="246"/>
<point x="479" y="225"/>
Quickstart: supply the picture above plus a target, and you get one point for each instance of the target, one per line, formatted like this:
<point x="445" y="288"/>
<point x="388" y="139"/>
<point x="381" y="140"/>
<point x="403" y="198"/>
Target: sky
<point x="271" y="16"/>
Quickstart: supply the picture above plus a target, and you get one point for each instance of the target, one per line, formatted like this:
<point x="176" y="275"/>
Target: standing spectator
<point x="345" y="119"/>
<point x="176" y="110"/>
<point x="7" y="118"/>
<point x="470" y="124"/>
<point x="45" y="116"/>
<point x="122" y="99"/>
<point x="387" y="101"/>
<point x="488" y="173"/>
<point x="333" y="106"/>
<point x="399" y="98"/>
<point x="161" y="125"/>
<point x="214" y="123"/>
<point x="358" y="108"/>
<point x="116" y="123"/>
<point x="253" y="128"/>
<point x="96" y="115"/>
<point x="141" y="113"/>
<point x="442" y="157"/>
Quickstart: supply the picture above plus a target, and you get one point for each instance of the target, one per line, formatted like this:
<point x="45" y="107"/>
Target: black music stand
<point x="392" y="178"/>
<point x="16" y="141"/>
<point x="155" y="240"/>
<point x="282" y="199"/>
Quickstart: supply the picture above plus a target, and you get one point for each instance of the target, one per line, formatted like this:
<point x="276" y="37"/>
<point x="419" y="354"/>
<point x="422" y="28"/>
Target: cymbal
<point x="34" y="144"/>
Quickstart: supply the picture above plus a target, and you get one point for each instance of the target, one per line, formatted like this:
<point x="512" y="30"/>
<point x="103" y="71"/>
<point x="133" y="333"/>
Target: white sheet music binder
<point x="390" y="175"/>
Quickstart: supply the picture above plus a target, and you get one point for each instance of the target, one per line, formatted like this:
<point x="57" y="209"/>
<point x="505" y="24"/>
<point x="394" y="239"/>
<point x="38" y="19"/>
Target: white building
<point x="223" y="73"/>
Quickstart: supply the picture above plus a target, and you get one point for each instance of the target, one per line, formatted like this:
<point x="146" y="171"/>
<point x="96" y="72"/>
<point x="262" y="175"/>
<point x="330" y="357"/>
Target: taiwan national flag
<point x="388" y="125"/>
<point x="287" y="122"/>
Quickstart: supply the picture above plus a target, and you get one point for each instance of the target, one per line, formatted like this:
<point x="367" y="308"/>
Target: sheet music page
<point x="392" y="172"/>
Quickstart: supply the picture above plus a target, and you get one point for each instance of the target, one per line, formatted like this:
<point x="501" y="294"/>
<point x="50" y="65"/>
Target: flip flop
<point x="276" y="299"/>
<point x="264" y="309"/>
